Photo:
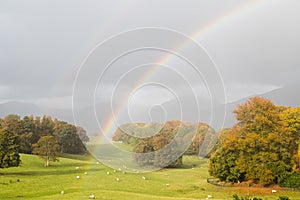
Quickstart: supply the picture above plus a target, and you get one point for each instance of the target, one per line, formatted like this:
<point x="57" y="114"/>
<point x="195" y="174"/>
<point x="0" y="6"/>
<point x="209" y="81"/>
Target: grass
<point x="33" y="181"/>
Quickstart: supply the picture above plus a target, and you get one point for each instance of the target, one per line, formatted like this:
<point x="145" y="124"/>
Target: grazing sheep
<point x="209" y="196"/>
<point x="92" y="197"/>
<point x="107" y="173"/>
<point x="274" y="191"/>
<point x="120" y="169"/>
<point x="85" y="173"/>
<point x="115" y="170"/>
<point x="117" y="179"/>
<point x="78" y="177"/>
<point x="167" y="184"/>
<point x="143" y="177"/>
<point x="62" y="192"/>
<point x="97" y="163"/>
<point x="77" y="167"/>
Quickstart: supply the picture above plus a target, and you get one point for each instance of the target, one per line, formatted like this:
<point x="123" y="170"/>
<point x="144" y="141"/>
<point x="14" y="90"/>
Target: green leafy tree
<point x="82" y="135"/>
<point x="9" y="144"/>
<point x="47" y="148"/>
<point x="68" y="138"/>
<point x="47" y="126"/>
<point x="28" y="136"/>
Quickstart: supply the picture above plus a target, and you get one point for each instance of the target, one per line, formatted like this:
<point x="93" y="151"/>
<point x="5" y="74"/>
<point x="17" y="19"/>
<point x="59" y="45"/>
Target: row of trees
<point x="36" y="135"/>
<point x="263" y="147"/>
<point x="158" y="144"/>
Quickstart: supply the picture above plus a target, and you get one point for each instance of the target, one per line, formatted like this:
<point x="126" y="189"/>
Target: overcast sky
<point x="255" y="46"/>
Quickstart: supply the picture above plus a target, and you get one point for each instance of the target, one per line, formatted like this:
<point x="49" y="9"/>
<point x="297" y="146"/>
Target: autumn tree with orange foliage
<point x="261" y="147"/>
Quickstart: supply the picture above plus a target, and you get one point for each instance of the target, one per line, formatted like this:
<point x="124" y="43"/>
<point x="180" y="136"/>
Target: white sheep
<point x="117" y="179"/>
<point x="78" y="177"/>
<point x="97" y="163"/>
<point x="209" y="196"/>
<point x="107" y="173"/>
<point x="62" y="192"/>
<point x="115" y="170"/>
<point x="143" y="177"/>
<point x="85" y="173"/>
<point x="167" y="184"/>
<point x="274" y="191"/>
<point x="77" y="167"/>
<point x="92" y="197"/>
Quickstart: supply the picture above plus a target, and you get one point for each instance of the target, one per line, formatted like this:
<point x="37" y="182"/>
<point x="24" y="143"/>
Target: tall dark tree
<point x="9" y="144"/>
<point x="47" y="125"/>
<point x="68" y="138"/>
<point x="28" y="136"/>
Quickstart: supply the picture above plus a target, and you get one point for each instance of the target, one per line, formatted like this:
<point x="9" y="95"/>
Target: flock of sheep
<point x="108" y="173"/>
<point x="143" y="177"/>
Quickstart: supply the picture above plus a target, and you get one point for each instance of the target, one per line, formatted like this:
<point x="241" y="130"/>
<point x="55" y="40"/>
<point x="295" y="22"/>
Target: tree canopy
<point x="157" y="144"/>
<point x="261" y="147"/>
<point x="47" y="148"/>
<point x="20" y="135"/>
<point x="9" y="145"/>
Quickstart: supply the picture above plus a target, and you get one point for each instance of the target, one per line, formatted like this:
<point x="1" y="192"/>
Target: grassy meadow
<point x="34" y="181"/>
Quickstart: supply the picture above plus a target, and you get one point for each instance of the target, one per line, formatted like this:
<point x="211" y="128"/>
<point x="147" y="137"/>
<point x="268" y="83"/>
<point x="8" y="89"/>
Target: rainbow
<point x="221" y="20"/>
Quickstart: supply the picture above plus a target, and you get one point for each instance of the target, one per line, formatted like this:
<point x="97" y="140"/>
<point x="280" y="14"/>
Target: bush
<point x="292" y="181"/>
<point x="283" y="198"/>
<point x="236" y="197"/>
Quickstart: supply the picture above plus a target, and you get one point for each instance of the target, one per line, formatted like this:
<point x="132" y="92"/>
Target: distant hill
<point x="287" y="96"/>
<point x="20" y="108"/>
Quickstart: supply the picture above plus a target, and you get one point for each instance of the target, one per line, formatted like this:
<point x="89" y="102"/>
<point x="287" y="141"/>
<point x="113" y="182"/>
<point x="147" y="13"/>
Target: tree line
<point x="38" y="135"/>
<point x="263" y="147"/>
<point x="156" y="145"/>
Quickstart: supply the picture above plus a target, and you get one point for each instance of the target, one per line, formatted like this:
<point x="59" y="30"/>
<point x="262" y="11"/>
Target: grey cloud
<point x="43" y="43"/>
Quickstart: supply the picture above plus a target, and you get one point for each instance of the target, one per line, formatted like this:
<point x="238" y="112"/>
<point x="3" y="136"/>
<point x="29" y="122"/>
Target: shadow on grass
<point x="50" y="171"/>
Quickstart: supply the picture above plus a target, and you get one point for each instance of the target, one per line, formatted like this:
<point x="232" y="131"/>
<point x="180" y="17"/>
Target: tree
<point x="292" y="117"/>
<point x="47" y="148"/>
<point x="257" y="148"/>
<point x="9" y="144"/>
<point x="68" y="138"/>
<point x="28" y="136"/>
<point x="82" y="135"/>
<point x="161" y="150"/>
<point x="12" y="123"/>
<point x="47" y="125"/>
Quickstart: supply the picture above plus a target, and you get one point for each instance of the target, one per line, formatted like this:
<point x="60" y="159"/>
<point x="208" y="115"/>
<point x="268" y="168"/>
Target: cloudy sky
<point x="253" y="45"/>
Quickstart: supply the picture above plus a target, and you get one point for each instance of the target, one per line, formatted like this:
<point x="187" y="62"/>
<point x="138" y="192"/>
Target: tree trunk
<point x="47" y="163"/>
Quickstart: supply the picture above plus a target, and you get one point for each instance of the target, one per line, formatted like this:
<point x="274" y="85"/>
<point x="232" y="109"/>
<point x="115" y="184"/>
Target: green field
<point x="33" y="181"/>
